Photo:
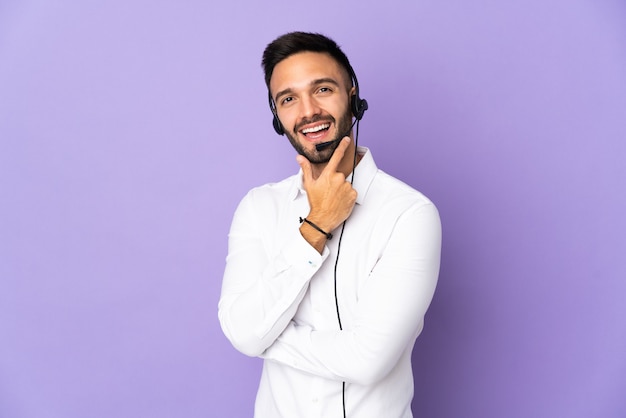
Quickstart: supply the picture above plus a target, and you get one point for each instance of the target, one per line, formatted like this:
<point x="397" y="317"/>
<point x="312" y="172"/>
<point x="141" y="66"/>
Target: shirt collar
<point x="366" y="170"/>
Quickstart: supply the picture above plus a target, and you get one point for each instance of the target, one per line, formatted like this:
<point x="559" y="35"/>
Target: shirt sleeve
<point x="389" y="313"/>
<point x="263" y="284"/>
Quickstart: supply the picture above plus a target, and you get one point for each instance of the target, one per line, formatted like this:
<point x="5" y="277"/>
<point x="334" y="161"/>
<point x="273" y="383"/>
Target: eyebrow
<point x="315" y="82"/>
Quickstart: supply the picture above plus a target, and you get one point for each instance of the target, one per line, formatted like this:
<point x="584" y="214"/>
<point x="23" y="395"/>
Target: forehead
<point x="299" y="70"/>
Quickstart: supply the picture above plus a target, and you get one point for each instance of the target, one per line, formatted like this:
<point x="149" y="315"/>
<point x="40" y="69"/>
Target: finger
<point x="305" y="165"/>
<point x="340" y="151"/>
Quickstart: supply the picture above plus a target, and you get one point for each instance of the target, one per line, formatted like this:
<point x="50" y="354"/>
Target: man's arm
<point x="261" y="292"/>
<point x="262" y="287"/>
<point x="389" y="313"/>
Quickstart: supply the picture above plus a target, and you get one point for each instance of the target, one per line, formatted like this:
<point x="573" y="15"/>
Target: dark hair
<point x="294" y="42"/>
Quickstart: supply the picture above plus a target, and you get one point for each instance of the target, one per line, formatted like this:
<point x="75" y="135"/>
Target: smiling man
<point x="311" y="87"/>
<point x="329" y="272"/>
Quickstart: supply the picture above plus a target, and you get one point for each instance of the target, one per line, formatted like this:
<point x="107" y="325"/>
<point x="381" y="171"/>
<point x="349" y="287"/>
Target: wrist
<point x="319" y="229"/>
<point x="321" y="219"/>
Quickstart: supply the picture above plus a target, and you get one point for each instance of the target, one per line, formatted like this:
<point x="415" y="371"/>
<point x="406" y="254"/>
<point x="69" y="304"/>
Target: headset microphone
<point x="323" y="145"/>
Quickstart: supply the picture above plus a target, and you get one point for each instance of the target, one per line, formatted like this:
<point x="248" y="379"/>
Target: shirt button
<point x="315" y="400"/>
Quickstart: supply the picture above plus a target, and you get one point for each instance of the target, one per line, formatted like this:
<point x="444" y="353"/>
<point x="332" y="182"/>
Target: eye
<point x="286" y="100"/>
<point x="324" y="90"/>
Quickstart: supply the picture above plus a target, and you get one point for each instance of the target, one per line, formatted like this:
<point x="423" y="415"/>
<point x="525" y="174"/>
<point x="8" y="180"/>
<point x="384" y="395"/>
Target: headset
<point x="358" y="106"/>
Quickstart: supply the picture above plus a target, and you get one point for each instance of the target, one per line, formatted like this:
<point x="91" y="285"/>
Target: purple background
<point x="130" y="130"/>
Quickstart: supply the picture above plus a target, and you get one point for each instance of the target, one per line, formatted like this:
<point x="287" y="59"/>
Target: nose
<point x="309" y="107"/>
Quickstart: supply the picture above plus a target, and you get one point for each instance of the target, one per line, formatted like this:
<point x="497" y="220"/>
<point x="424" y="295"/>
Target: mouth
<point x="316" y="132"/>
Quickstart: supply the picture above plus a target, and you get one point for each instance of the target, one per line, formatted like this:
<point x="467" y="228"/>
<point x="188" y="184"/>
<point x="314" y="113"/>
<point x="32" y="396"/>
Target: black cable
<point x="343" y="226"/>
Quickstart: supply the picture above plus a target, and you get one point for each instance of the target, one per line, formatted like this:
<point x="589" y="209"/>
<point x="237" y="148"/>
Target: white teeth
<point x="316" y="128"/>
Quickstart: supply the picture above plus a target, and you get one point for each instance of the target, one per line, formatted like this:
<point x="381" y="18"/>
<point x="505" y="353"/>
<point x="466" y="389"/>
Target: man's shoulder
<point x="274" y="190"/>
<point x="389" y="188"/>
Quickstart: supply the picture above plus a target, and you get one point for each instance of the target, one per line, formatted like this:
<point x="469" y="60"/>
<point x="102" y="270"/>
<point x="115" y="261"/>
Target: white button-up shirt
<point x="278" y="297"/>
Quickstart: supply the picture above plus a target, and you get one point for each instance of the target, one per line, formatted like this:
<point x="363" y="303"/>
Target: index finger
<point x="340" y="151"/>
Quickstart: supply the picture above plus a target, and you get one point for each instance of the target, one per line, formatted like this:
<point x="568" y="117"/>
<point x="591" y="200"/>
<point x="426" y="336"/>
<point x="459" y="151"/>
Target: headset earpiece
<point x="358" y="106"/>
<point x="278" y="127"/>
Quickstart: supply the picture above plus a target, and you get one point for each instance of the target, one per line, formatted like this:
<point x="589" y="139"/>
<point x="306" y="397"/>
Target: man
<point x="329" y="272"/>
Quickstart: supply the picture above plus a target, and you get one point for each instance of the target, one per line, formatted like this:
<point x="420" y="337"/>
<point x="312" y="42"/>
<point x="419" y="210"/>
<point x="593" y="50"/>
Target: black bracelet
<point x="329" y="236"/>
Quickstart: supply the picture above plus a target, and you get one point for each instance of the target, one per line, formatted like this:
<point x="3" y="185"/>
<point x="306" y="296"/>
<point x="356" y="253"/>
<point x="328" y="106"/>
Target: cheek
<point x="288" y="116"/>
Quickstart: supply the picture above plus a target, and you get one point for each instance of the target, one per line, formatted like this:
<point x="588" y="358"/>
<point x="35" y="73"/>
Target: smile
<point x="315" y="129"/>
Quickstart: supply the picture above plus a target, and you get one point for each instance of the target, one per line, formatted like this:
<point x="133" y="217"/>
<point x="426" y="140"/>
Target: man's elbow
<point x="244" y="342"/>
<point x="368" y="373"/>
<point x="367" y="376"/>
<point x="250" y="347"/>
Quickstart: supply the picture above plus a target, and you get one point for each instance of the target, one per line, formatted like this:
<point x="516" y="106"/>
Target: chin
<point x="319" y="157"/>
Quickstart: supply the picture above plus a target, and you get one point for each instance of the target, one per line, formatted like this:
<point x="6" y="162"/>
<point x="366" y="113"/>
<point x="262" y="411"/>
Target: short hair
<point x="295" y="42"/>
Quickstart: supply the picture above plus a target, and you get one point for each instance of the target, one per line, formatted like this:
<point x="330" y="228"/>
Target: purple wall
<point x="129" y="132"/>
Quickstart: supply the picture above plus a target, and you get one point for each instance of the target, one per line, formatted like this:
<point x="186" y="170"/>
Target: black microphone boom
<point x="324" y="145"/>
